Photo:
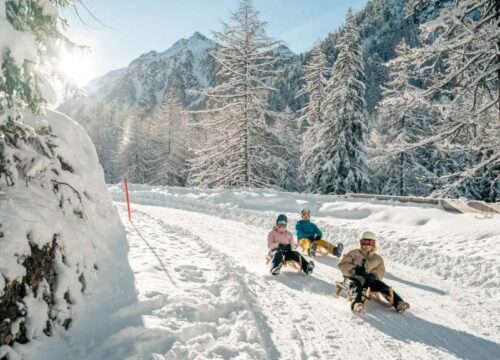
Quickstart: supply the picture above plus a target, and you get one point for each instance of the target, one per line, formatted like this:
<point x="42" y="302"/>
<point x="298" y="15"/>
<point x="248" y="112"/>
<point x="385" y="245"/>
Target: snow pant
<point x="278" y="256"/>
<point x="356" y="290"/>
<point x="306" y="245"/>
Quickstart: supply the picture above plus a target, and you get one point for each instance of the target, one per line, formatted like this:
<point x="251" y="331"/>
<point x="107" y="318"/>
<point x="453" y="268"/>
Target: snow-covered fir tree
<point x="287" y="83"/>
<point x="399" y="166"/>
<point x="471" y="169"/>
<point x="103" y="127"/>
<point x="460" y="64"/>
<point x="242" y="152"/>
<point x="316" y="72"/>
<point x="288" y="145"/>
<point x="170" y="143"/>
<point x="336" y="160"/>
<point x="133" y="161"/>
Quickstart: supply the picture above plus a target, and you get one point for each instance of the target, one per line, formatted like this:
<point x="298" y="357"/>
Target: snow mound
<point x="60" y="211"/>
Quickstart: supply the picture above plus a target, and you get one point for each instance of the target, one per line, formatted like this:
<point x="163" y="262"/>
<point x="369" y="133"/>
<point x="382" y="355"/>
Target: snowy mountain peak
<point x="197" y="43"/>
<point x="198" y="35"/>
<point x="186" y="64"/>
<point x="284" y="52"/>
<point x="105" y="80"/>
<point x="147" y="56"/>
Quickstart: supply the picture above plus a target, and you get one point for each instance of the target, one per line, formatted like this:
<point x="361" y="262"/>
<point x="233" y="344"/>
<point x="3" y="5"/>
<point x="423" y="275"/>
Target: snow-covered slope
<point x="205" y="291"/>
<point x="106" y="83"/>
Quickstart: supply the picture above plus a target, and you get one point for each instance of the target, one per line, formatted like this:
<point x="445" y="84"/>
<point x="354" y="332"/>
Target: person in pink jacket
<point x="282" y="248"/>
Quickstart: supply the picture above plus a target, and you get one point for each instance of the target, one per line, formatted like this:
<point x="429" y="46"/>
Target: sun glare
<point x="76" y="67"/>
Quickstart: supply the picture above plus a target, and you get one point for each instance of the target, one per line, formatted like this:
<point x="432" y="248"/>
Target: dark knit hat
<point x="281" y="220"/>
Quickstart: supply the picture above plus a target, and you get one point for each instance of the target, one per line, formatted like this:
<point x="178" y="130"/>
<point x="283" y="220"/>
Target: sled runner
<point x="368" y="295"/>
<point x="297" y="266"/>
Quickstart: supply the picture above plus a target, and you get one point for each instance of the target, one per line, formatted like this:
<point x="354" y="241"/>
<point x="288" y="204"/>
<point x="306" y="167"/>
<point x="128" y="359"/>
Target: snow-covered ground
<point x="203" y="290"/>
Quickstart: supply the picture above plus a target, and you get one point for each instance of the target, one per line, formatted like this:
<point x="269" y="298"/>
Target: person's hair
<point x="305" y="210"/>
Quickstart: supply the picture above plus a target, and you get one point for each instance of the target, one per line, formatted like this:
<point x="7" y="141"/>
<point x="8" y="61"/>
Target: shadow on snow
<point x="456" y="342"/>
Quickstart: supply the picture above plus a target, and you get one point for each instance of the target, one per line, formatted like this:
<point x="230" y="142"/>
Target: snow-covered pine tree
<point x="461" y="64"/>
<point x="399" y="167"/>
<point x="170" y="143"/>
<point x="469" y="169"/>
<point x="315" y="76"/>
<point x="288" y="144"/>
<point x="287" y="83"/>
<point x="134" y="158"/>
<point x="241" y="153"/>
<point x="336" y="162"/>
<point x="315" y="81"/>
<point x="103" y="126"/>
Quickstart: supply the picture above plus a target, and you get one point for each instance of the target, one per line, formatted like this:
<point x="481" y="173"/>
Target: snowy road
<point x="205" y="291"/>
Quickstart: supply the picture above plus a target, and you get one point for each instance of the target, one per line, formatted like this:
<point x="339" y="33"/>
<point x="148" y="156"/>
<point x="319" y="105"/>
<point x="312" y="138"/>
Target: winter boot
<point x="310" y="267"/>
<point x="312" y="250"/>
<point x="276" y="270"/>
<point x="357" y="307"/>
<point x="337" y="250"/>
<point x="402" y="306"/>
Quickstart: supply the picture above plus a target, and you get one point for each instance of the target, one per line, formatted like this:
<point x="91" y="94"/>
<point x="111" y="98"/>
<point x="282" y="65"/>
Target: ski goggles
<point x="281" y="222"/>
<point x="367" y="242"/>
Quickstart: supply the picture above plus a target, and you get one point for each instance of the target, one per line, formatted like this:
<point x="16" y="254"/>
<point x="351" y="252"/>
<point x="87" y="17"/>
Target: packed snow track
<point x="205" y="292"/>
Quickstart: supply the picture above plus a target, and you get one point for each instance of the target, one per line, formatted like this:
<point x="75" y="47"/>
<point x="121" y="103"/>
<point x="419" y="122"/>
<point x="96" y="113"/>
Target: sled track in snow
<point x="221" y="262"/>
<point x="318" y="329"/>
<point x="262" y="298"/>
<point x="310" y="328"/>
<point x="297" y="317"/>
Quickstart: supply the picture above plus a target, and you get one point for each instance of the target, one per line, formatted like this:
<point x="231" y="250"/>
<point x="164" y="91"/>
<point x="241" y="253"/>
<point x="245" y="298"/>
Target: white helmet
<point x="368" y="235"/>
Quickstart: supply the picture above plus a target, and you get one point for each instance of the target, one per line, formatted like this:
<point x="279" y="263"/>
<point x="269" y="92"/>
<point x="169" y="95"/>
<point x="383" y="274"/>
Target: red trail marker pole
<point x="128" y="199"/>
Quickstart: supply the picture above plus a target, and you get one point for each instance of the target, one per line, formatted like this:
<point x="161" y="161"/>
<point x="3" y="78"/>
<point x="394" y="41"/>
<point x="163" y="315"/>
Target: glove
<point x="360" y="270"/>
<point x="370" y="277"/>
<point x="285" y="247"/>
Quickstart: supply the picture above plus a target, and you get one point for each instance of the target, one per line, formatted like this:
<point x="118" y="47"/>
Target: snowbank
<point x="61" y="205"/>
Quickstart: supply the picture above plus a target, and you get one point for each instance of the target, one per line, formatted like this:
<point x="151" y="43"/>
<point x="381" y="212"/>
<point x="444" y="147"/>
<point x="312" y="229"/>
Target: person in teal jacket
<point x="309" y="237"/>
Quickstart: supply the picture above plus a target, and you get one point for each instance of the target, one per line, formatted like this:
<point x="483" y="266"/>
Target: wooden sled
<point x="297" y="266"/>
<point x="375" y="296"/>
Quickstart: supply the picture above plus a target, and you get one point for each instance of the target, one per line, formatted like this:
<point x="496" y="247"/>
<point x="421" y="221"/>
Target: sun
<point x="76" y="66"/>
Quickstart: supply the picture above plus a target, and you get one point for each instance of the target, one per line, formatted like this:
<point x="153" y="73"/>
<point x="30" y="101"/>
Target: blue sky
<point x="135" y="27"/>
